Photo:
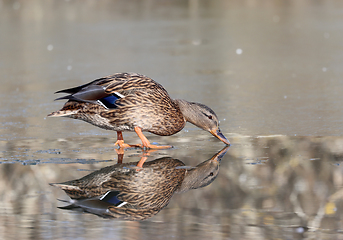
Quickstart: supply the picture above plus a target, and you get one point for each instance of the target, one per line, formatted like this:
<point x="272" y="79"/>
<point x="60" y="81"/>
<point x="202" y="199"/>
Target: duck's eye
<point x="209" y="116"/>
<point x="211" y="174"/>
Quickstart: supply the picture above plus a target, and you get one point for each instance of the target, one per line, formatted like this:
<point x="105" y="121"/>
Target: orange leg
<point x="120" y="141"/>
<point x="145" y="141"/>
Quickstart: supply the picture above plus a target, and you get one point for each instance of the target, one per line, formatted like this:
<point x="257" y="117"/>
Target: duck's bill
<point x="219" y="155"/>
<point x="217" y="133"/>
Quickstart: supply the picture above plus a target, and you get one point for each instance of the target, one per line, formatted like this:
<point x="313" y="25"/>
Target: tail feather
<point x="64" y="97"/>
<point x="69" y="109"/>
<point x="61" y="113"/>
<point x="64" y="186"/>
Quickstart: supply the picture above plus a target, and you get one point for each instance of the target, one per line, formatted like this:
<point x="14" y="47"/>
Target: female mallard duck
<point x="133" y="102"/>
<point x="127" y="192"/>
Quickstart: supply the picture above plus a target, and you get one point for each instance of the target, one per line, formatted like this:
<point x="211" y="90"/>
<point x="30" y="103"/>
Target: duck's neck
<point x="188" y="110"/>
<point x="200" y="176"/>
<point x="190" y="181"/>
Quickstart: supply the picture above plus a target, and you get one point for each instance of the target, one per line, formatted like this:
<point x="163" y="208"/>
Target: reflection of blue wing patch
<point x="111" y="197"/>
<point x="109" y="101"/>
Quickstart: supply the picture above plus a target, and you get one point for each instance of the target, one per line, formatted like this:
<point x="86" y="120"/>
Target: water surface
<point x="271" y="71"/>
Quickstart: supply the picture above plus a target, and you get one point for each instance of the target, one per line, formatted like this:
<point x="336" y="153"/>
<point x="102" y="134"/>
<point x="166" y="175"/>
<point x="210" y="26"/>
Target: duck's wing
<point x="101" y="183"/>
<point x="89" y="92"/>
<point x="109" y="210"/>
<point x="80" y="192"/>
<point x="129" y="83"/>
<point x="107" y="90"/>
<point x="100" y="81"/>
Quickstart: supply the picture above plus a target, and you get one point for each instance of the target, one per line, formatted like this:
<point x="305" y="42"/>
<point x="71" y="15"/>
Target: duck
<point x="126" y="192"/>
<point x="134" y="102"/>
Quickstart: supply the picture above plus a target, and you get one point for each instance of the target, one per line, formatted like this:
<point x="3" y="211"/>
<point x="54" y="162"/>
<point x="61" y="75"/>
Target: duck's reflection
<point x="133" y="193"/>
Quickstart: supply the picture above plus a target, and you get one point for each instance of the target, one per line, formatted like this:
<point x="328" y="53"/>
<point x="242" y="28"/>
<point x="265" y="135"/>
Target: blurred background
<point x="271" y="70"/>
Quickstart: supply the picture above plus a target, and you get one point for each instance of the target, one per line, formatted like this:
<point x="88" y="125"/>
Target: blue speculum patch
<point x="109" y="101"/>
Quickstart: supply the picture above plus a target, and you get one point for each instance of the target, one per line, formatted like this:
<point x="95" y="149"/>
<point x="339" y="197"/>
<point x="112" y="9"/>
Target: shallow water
<point x="270" y="70"/>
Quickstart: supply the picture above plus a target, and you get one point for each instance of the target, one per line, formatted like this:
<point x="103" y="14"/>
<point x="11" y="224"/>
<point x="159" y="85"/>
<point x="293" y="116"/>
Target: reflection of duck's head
<point x="203" y="174"/>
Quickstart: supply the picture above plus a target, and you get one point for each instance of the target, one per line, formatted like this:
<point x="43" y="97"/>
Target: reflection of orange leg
<point x="120" y="141"/>
<point x="145" y="141"/>
<point x="120" y="153"/>
<point x="144" y="157"/>
<point x="142" y="161"/>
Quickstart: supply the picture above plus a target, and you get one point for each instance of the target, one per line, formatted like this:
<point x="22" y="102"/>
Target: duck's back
<point x="123" y="101"/>
<point x="146" y="104"/>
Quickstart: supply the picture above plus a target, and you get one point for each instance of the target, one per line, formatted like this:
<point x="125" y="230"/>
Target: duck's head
<point x="203" y="117"/>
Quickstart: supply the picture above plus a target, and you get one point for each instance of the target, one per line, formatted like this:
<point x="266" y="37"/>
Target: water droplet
<point x="300" y="230"/>
<point x="239" y="51"/>
<point x="196" y="42"/>
<point x="324" y="69"/>
<point x="69" y="68"/>
<point x="50" y="47"/>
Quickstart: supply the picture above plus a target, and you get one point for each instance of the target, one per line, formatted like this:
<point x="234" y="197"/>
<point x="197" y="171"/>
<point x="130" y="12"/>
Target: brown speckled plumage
<point x="143" y="188"/>
<point x="145" y="191"/>
<point x="141" y="105"/>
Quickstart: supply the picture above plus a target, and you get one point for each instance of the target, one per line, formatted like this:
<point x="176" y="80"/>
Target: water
<point x="270" y="70"/>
